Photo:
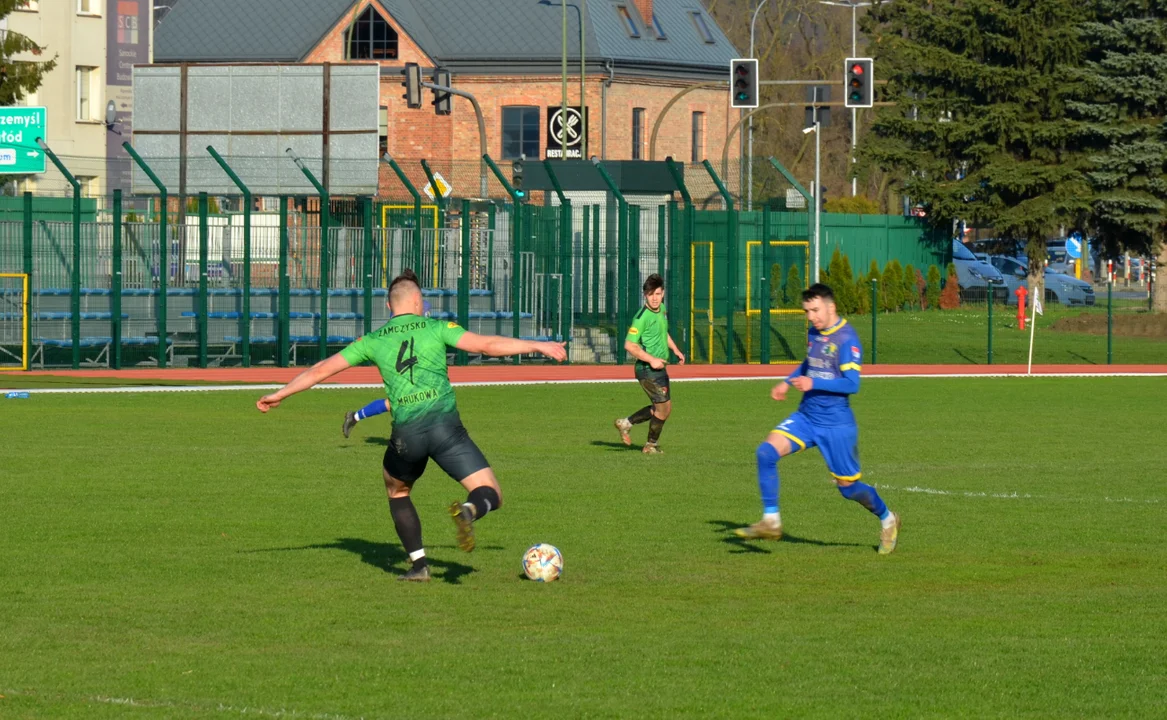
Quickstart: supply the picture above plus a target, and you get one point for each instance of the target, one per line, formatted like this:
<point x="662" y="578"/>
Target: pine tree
<point x="862" y="295"/>
<point x="840" y="283"/>
<point x="18" y="78"/>
<point x="979" y="130"/>
<point x="909" y="294"/>
<point x="932" y="292"/>
<point x="950" y="295"/>
<point x="1122" y="106"/>
<point x="891" y="287"/>
<point x="874" y="274"/>
<point x="794" y="288"/>
<point x="776" y="285"/>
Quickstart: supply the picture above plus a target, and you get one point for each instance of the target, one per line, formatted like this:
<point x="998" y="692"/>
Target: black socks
<point x="654" y="427"/>
<point x="644" y="414"/>
<point x="484" y="499"/>
<point x="408" y="526"/>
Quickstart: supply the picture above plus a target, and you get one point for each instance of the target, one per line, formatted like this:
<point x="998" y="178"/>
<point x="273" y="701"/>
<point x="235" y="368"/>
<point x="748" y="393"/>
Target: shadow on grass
<point x="743" y="545"/>
<point x="966" y="357"/>
<point x="1083" y="358"/>
<point x="382" y="441"/>
<point x="386" y="557"/>
<point x="615" y="445"/>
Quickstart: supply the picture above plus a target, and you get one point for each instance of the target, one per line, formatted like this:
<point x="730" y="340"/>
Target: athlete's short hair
<point x="407" y="278"/>
<point x="818" y="290"/>
<point x="653" y="282"/>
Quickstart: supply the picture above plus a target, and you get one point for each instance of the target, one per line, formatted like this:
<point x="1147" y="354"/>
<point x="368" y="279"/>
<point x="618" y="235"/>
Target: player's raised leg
<point x="484" y="495"/>
<point x="624" y="424"/>
<point x="776" y="446"/>
<point x="839" y="446"/>
<point x="351" y="419"/>
<point x="408" y="526"/>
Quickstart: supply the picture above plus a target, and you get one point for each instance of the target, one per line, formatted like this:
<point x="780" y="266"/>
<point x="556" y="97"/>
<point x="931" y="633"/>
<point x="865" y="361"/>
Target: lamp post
<point x="750" y="127"/>
<point x="854" y="5"/>
<point x="818" y="190"/>
<point x="581" y="12"/>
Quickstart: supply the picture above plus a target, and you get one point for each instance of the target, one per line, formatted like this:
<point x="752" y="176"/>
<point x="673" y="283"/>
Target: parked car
<point x="975" y="276"/>
<point x="1059" y="287"/>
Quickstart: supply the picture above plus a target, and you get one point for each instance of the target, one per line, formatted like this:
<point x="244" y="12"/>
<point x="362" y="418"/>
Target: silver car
<point x="1059" y="287"/>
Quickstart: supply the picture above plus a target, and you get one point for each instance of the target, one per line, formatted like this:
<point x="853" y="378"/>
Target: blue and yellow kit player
<point x="827" y="378"/>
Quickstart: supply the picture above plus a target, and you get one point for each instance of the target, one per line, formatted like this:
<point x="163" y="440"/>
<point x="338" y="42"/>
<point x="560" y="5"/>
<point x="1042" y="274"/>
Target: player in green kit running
<point x="648" y="341"/>
<point x="410" y="352"/>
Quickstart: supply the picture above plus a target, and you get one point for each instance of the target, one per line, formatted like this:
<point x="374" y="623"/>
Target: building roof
<point x="482" y="36"/>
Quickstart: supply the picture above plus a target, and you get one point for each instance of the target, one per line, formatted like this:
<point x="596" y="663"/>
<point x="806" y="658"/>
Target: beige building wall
<point x="75" y="32"/>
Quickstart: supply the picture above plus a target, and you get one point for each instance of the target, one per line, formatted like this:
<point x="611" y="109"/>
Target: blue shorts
<point x="839" y="444"/>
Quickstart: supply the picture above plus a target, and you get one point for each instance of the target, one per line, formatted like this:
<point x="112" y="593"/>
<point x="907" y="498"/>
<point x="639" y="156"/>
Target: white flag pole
<point x="1032" y="326"/>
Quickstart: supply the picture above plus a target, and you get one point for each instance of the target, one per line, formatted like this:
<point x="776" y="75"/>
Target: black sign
<point x="572" y="124"/>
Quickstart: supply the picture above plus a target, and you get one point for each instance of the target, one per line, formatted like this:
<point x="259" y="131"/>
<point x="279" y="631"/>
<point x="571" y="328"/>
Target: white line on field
<point x="218" y="707"/>
<point x="1007" y="495"/>
<point x="494" y="383"/>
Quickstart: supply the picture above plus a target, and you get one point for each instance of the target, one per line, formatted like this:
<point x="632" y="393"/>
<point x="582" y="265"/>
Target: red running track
<point x="582" y="373"/>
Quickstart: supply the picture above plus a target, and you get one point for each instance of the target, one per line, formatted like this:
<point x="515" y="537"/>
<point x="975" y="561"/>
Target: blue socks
<point x="866" y="496"/>
<point x="374" y="408"/>
<point x="768" y="477"/>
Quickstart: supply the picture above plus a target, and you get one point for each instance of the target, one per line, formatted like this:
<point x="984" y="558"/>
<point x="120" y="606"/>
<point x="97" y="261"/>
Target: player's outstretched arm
<point x="637" y="351"/>
<point x="499" y="346"/>
<point x="676" y="350"/>
<point x="317" y="373"/>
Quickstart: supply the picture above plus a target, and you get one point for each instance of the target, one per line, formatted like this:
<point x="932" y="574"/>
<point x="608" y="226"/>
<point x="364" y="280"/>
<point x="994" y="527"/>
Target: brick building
<point x="639" y="55"/>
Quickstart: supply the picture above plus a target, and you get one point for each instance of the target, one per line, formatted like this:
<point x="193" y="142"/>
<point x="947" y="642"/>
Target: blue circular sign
<point x="1074" y="246"/>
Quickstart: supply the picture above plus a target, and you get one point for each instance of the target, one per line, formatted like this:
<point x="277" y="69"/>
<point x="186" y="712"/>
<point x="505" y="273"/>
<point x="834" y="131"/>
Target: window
<point x="88" y="100"/>
<point x="637" y="133"/>
<point x="698" y="151"/>
<point x="371" y="38"/>
<point x="88" y="185"/>
<point x="29" y="5"/>
<point x="627" y="21"/>
<point x="88" y="7"/>
<point x="702" y="27"/>
<point x="520" y="132"/>
<point x="383" y="131"/>
<point x="658" y="28"/>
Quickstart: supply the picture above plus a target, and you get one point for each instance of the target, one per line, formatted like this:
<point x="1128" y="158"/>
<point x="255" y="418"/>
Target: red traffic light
<point x="857" y="69"/>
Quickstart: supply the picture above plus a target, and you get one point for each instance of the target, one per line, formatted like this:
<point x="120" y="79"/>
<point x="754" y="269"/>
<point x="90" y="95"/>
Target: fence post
<point x="491" y="217"/>
<point x="416" y="209"/>
<point x="662" y="239"/>
<point x="322" y="339"/>
<point x="75" y="274"/>
<point x="367" y="304"/>
<point x="565" y="236"/>
<point x="115" y="282"/>
<point x="1110" y="321"/>
<point x="516" y="239"/>
<point x="27" y="236"/>
<point x="874" y="321"/>
<point x="464" y="278"/>
<point x="622" y="268"/>
<point x="633" y="282"/>
<point x="730" y="261"/>
<point x="163" y="249"/>
<point x="990" y="283"/>
<point x="284" y="299"/>
<point x="585" y="265"/>
<point x="201" y="307"/>
<point x="687" y="225"/>
<point x="245" y="320"/>
<point x="766" y="284"/>
<point x="595" y="264"/>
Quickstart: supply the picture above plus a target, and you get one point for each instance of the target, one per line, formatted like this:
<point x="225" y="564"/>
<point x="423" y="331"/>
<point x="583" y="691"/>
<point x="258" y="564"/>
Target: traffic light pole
<point x="482" y="191"/>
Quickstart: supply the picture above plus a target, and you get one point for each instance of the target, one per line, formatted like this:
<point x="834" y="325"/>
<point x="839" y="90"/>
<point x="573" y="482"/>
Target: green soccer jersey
<point x="410" y="352"/>
<point x="651" y="329"/>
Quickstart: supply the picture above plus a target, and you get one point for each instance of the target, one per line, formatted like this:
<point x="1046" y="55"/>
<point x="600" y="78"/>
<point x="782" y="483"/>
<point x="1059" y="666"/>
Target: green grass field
<point x="182" y="556"/>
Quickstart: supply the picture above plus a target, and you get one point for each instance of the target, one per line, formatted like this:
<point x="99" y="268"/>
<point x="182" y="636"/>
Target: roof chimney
<point x="645" y="9"/>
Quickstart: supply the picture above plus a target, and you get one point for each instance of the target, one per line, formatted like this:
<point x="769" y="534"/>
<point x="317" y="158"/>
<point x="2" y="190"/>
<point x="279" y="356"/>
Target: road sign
<point x="443" y="188"/>
<point x="1074" y="245"/>
<point x="19" y="129"/>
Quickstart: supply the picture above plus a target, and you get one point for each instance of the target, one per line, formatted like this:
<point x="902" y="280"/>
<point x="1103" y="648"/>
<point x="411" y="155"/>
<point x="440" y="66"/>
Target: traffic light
<point x="441" y="98"/>
<point x="860" y="83"/>
<point x="517" y="178"/>
<point x="412" y="85"/>
<point x="816" y="95"/>
<point x="743" y="83"/>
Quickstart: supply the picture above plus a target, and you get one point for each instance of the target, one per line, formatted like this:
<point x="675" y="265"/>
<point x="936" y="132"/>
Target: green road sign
<point x="19" y="129"/>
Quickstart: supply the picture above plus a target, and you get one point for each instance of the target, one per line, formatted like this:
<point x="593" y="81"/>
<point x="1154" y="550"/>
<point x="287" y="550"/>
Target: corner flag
<point x="1037" y="310"/>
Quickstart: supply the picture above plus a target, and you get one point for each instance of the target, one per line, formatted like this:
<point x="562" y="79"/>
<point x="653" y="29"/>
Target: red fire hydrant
<point x="1021" y="292"/>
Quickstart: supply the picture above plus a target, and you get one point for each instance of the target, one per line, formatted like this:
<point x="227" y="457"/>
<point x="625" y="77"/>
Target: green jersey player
<point x="649" y="342"/>
<point x="410" y="352"/>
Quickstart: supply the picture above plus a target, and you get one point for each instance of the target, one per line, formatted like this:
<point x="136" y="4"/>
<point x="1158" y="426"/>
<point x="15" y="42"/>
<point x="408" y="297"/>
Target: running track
<point x="539" y="373"/>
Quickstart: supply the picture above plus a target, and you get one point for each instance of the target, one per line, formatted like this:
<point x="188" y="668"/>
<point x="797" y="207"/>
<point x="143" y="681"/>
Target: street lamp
<point x="854" y="5"/>
<point x="818" y="190"/>
<point x="750" y="131"/>
<point x="581" y="12"/>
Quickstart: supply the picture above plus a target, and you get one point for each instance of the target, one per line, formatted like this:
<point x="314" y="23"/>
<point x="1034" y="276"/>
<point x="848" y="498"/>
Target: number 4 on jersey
<point x="406" y="363"/>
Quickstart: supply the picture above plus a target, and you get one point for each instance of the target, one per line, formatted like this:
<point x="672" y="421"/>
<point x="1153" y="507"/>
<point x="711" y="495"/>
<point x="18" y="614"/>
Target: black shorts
<point x="447" y="443"/>
<point x="654" y="382"/>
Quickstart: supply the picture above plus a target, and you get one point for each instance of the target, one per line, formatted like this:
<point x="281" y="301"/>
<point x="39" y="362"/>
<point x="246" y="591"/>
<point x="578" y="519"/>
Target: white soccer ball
<point x="542" y="562"/>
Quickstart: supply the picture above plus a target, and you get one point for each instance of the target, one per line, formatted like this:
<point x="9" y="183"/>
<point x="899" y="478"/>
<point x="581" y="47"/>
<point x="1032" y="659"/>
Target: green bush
<point x="776" y="285"/>
<point x="862" y="290"/>
<point x="793" y="289"/>
<point x="910" y="296"/>
<point x="841" y="283"/>
<point x="932" y="288"/>
<point x="891" y="287"/>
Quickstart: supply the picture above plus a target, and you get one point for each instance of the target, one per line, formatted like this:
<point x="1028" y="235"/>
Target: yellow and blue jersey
<point x="834" y="361"/>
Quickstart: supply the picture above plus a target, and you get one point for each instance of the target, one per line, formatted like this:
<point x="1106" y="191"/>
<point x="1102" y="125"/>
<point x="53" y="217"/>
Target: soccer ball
<point x="542" y="562"/>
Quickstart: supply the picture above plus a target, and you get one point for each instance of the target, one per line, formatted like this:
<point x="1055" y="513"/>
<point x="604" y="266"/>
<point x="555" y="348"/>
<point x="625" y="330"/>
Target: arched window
<point x="371" y="38"/>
